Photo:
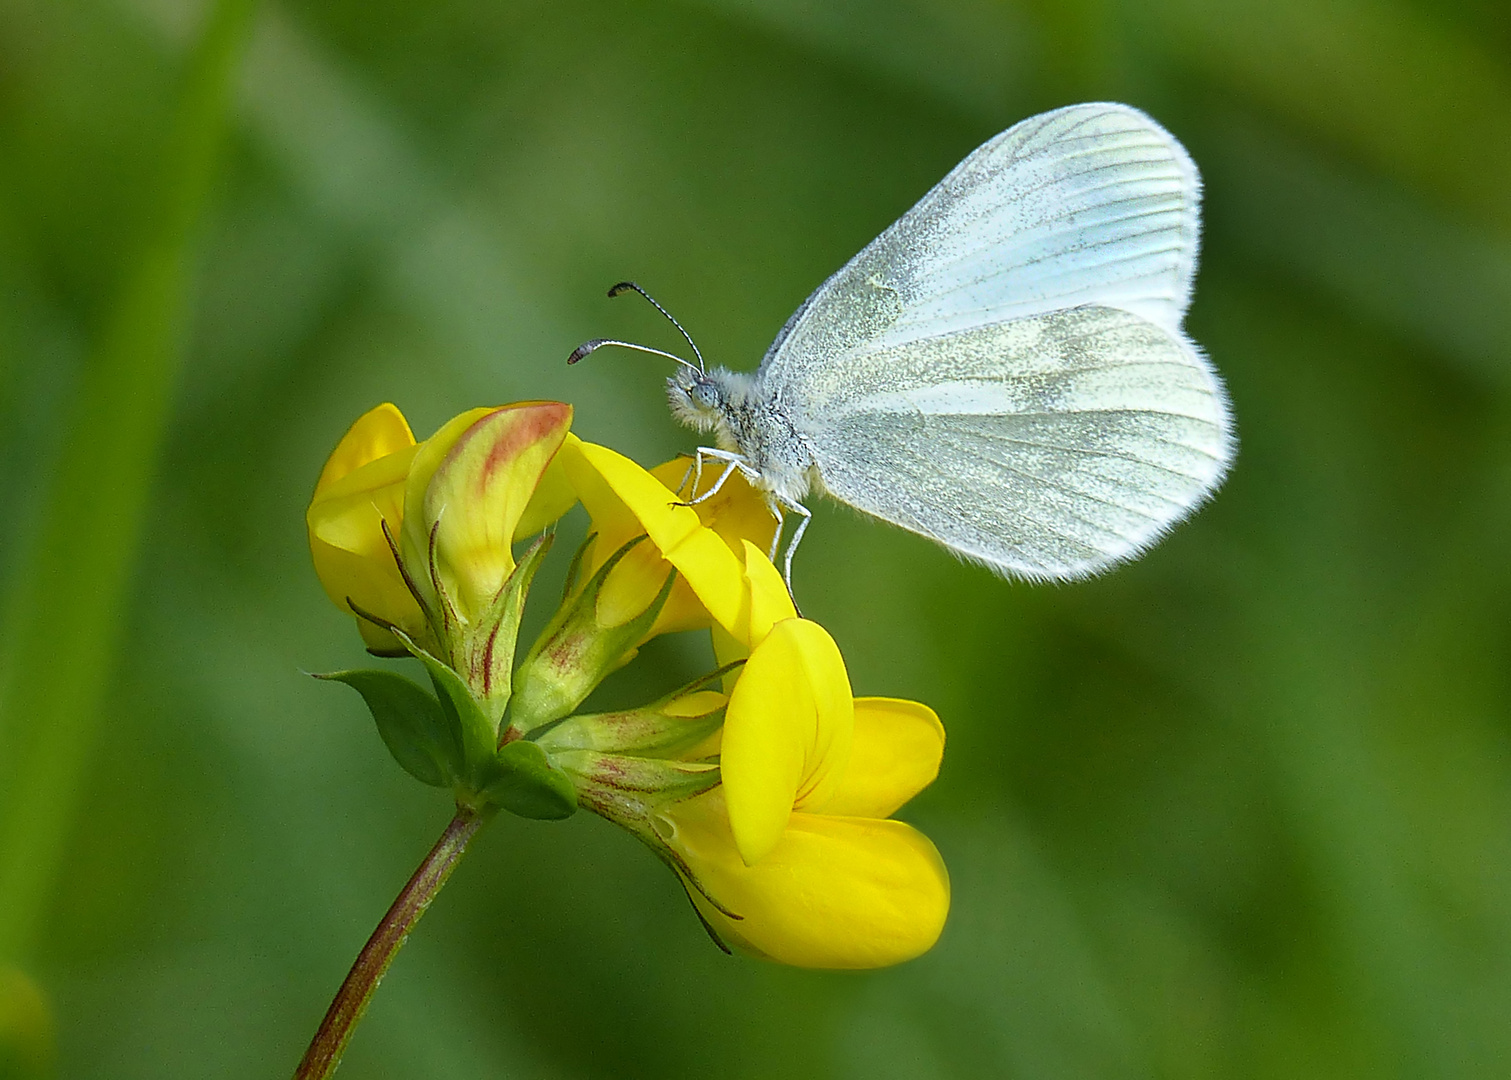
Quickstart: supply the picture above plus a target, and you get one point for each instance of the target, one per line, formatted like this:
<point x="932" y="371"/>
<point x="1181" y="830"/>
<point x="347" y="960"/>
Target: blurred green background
<point x="1242" y="809"/>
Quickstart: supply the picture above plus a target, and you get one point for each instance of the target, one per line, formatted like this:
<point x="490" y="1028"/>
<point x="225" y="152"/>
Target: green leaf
<point x="479" y="735"/>
<point x="524" y="783"/>
<point x="412" y="724"/>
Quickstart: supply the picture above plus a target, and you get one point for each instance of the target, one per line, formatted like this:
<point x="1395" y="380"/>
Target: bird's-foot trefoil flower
<point x="765" y="785"/>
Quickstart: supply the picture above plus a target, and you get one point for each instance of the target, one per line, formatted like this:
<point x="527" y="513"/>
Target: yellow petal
<point x="706" y="543"/>
<point x="631" y="585"/>
<point x="613" y="521"/>
<point x="377" y="433"/>
<point x="835" y="892"/>
<point x="553" y="497"/>
<point x="770" y="602"/>
<point x="727" y="648"/>
<point x="894" y="755"/>
<point x="696" y="704"/>
<point x="345" y="519"/>
<point x="787" y="733"/>
<point x="737" y="513"/>
<point x="624" y="500"/>
<point x="473" y="486"/>
<point x="640" y="575"/>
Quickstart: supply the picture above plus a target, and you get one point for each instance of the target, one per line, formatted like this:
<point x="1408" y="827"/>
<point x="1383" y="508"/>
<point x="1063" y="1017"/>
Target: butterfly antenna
<point x="598" y="343"/>
<point x="626" y="285"/>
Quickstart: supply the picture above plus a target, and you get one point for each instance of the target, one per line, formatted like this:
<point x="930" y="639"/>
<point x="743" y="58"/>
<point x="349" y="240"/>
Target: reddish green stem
<point x="329" y="1043"/>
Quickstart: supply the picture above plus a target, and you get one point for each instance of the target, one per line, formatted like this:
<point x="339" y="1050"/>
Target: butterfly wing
<point x="1119" y="431"/>
<point x="1004" y="368"/>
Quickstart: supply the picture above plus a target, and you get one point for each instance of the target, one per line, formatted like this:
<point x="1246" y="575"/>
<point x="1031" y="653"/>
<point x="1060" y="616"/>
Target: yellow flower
<point x="843" y="886"/>
<point x="787" y="734"/>
<point x="452" y="504"/>
<point x="817" y="876"/>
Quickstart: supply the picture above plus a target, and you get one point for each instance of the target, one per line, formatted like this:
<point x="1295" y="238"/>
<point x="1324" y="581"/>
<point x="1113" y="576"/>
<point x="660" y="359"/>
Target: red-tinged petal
<point x="471" y="485"/>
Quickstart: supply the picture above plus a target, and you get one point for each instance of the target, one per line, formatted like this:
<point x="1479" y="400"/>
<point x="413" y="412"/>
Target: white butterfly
<point x="1004" y="369"/>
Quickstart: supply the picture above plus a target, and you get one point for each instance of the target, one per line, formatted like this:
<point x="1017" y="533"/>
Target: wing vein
<point x="1121" y="259"/>
<point x="1062" y="226"/>
<point x="1078" y="493"/>
<point x="1059" y="533"/>
<point x="1113" y="454"/>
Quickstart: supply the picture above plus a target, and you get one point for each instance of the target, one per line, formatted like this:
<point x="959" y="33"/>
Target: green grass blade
<point x="66" y="617"/>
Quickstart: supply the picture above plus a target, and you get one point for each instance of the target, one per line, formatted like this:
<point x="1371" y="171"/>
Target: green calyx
<point x="449" y="736"/>
<point x="485" y="652"/>
<point x="505" y="739"/>
<point x="668" y="728"/>
<point x="629" y="790"/>
<point x="576" y="651"/>
<point x="443" y="738"/>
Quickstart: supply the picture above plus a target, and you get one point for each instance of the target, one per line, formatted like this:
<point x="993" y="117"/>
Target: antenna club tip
<point x="583" y="350"/>
<point x="623" y="286"/>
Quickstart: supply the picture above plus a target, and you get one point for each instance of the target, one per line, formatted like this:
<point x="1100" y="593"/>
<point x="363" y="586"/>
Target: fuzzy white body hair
<point x="730" y="406"/>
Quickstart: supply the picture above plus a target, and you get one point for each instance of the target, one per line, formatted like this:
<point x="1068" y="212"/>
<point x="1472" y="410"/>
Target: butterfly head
<point x="700" y="399"/>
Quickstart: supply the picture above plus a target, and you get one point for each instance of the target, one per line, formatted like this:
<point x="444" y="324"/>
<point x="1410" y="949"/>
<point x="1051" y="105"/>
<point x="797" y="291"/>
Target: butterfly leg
<point x="732" y="462"/>
<point x="694" y="473"/>
<point x="806" y="516"/>
<point x="781" y="520"/>
<point x="717" y="485"/>
<point x="774" y="503"/>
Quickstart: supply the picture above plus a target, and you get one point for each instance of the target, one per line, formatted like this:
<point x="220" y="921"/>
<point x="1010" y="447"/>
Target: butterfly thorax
<point x="729" y="405"/>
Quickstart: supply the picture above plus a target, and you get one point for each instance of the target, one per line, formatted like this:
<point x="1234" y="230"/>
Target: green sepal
<point x="631" y="792"/>
<point x="643" y="783"/>
<point x="575" y="652"/>
<point x="647" y="732"/>
<point x="574" y="569"/>
<point x="488" y="647"/>
<point x="412" y="724"/>
<point x="478" y="733"/>
<point x="525" y="783"/>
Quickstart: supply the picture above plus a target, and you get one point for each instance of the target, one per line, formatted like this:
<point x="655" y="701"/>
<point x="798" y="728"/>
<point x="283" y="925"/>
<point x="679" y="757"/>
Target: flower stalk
<point x="335" y="1031"/>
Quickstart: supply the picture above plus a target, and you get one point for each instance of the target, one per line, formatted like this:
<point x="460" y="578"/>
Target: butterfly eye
<point x="704" y="394"/>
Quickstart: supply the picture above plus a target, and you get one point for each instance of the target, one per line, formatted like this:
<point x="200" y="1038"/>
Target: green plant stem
<point x="341" y="1019"/>
<point x="63" y="624"/>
